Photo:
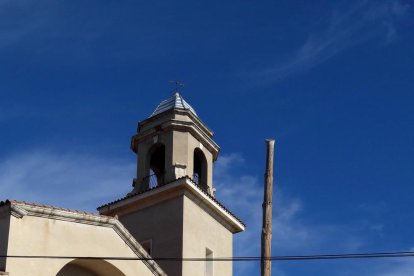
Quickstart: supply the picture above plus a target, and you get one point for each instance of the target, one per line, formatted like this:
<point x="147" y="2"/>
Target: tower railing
<point x="153" y="180"/>
<point x="201" y="184"/>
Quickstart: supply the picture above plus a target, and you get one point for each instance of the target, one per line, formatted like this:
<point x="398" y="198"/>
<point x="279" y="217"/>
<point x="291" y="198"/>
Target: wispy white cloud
<point x="66" y="180"/>
<point x="293" y="232"/>
<point x="14" y="31"/>
<point x="400" y="267"/>
<point x="84" y="181"/>
<point x="346" y="28"/>
<point x="11" y="112"/>
<point x="386" y="267"/>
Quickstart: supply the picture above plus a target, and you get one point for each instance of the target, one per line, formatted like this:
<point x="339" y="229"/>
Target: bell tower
<point x="172" y="210"/>
<point x="173" y="142"/>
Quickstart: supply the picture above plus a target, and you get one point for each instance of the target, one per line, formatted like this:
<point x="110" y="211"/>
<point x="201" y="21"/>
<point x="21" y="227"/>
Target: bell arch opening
<point x="81" y="267"/>
<point x="155" y="166"/>
<point x="200" y="169"/>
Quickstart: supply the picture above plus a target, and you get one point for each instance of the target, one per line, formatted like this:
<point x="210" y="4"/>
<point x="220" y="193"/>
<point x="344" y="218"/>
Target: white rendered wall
<point x="202" y="231"/>
<point x="48" y="237"/>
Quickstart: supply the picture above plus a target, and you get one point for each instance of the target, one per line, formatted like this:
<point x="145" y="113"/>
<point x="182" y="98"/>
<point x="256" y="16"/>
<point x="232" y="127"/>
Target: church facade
<point x="28" y="229"/>
<point x="171" y="215"/>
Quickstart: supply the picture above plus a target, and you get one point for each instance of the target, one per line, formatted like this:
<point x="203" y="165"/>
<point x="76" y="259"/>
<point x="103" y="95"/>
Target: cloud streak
<point x="7" y="113"/>
<point x="65" y="180"/>
<point x="83" y="182"/>
<point x="346" y="28"/>
<point x="294" y="231"/>
<point x="402" y="267"/>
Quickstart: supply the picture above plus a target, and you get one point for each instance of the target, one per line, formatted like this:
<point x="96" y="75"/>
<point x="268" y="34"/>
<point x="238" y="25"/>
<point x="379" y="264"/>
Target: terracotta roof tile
<point x="157" y="187"/>
<point x="18" y="202"/>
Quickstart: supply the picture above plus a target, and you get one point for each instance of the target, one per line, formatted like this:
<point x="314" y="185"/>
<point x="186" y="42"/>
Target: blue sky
<point x="331" y="81"/>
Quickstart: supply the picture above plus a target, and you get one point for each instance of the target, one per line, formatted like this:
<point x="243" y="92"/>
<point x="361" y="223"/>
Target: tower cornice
<point x="167" y="120"/>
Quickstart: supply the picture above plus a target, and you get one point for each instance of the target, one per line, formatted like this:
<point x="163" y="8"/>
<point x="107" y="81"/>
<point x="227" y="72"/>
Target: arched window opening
<point x="89" y="268"/>
<point x="155" y="176"/>
<point x="200" y="169"/>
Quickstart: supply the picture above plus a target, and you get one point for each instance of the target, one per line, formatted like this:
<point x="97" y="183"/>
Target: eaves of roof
<point x="20" y="209"/>
<point x="171" y="182"/>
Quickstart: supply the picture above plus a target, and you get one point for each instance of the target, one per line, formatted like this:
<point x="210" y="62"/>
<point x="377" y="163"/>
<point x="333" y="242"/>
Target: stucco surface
<point x="162" y="223"/>
<point x="193" y="144"/>
<point x="176" y="153"/>
<point x="182" y="226"/>
<point x="180" y="220"/>
<point x="38" y="236"/>
<point x="202" y="231"/>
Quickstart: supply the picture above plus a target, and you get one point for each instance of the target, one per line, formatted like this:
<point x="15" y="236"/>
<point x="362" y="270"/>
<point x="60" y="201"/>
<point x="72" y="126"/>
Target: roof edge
<point x="37" y="210"/>
<point x="213" y="201"/>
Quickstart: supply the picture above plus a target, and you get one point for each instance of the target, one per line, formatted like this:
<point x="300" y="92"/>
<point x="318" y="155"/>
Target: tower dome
<point x="174" y="102"/>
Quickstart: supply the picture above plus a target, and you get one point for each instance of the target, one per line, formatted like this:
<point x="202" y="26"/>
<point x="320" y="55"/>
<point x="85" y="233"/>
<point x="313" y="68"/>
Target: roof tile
<point x="17" y="202"/>
<point x="195" y="184"/>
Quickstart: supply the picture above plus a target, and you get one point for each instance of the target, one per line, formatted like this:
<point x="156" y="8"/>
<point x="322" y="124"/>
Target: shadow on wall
<point x="89" y="268"/>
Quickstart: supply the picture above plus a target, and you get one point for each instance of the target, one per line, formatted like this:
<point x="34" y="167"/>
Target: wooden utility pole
<point x="266" y="264"/>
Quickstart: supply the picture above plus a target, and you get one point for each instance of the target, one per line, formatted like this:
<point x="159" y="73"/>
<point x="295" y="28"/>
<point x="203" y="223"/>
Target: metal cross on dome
<point x="177" y="84"/>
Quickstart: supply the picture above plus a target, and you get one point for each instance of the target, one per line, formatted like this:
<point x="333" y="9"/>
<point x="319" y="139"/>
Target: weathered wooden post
<point x="266" y="264"/>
